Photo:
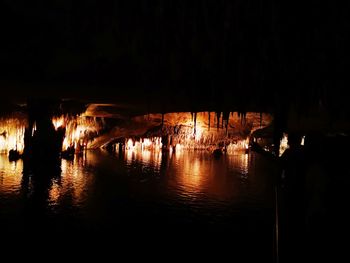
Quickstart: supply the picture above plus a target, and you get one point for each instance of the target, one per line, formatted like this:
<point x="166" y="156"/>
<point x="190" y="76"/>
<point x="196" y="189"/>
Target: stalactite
<point x="218" y="113"/>
<point x="261" y="119"/>
<point x="208" y="120"/>
<point x="162" y="119"/>
<point x="226" y="117"/>
<point x="195" y="123"/>
<point x="243" y="116"/>
<point x="227" y="122"/>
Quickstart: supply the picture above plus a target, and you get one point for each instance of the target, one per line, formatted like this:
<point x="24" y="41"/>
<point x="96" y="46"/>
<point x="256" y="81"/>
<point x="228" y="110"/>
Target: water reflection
<point x="200" y="177"/>
<point x="188" y="189"/>
<point x="36" y="183"/>
<point x="10" y="175"/>
<point x="146" y="157"/>
<point x="240" y="163"/>
<point x="72" y="183"/>
<point x="193" y="176"/>
<point x="48" y="185"/>
<point x="186" y="173"/>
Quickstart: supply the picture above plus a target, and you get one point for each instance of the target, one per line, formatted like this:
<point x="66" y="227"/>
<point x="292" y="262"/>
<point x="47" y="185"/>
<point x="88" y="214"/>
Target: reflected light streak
<point x="192" y="175"/>
<point x="73" y="182"/>
<point x="150" y="158"/>
<point x="10" y="174"/>
<point x="240" y="162"/>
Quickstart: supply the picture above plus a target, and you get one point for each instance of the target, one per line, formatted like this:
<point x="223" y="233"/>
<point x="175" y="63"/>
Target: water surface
<point x="184" y="194"/>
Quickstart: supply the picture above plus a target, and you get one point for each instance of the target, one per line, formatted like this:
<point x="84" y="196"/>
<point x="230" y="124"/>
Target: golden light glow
<point x="147" y="157"/>
<point x="33" y="129"/>
<point x="154" y="143"/>
<point x="205" y="131"/>
<point x="147" y="150"/>
<point x="58" y="122"/>
<point x="178" y="147"/>
<point x="130" y="145"/>
<point x="11" y="135"/>
<point x="239" y="146"/>
<point x="79" y="131"/>
<point x="183" y="132"/>
<point x="283" y="144"/>
<point x="188" y="140"/>
<point x="198" y="134"/>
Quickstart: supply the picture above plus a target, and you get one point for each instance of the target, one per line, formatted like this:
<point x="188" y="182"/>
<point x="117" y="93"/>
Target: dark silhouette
<point x="289" y="199"/>
<point x="14" y="155"/>
<point x="42" y="143"/>
<point x="68" y="154"/>
<point x="217" y="153"/>
<point x="316" y="181"/>
<point x="292" y="200"/>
